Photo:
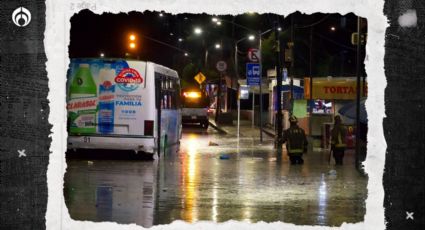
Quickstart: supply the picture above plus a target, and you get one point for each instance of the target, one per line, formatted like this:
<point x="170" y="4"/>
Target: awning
<point x="298" y="91"/>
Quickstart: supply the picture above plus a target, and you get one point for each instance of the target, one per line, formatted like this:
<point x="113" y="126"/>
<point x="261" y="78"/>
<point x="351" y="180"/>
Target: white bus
<point x="119" y="104"/>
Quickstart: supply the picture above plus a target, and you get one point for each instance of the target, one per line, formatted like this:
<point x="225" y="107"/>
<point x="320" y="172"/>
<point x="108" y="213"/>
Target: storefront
<point x="329" y="95"/>
<point x="300" y="106"/>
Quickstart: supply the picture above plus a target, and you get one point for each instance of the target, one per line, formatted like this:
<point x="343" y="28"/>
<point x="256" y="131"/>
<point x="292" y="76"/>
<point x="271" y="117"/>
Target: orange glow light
<point x="192" y="94"/>
<point x="132" y="37"/>
<point x="132" y="45"/>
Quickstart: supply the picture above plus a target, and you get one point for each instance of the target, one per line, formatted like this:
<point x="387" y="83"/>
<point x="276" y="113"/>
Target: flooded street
<point x="216" y="178"/>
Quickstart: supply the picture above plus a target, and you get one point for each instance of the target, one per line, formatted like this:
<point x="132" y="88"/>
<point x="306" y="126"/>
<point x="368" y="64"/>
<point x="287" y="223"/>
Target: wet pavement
<point x="215" y="177"/>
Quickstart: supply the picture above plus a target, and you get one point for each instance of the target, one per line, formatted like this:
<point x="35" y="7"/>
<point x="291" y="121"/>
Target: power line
<point x="336" y="43"/>
<point x="166" y="44"/>
<point x="307" y="26"/>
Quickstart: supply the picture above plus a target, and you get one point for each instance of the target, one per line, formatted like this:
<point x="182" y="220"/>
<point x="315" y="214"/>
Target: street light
<point x="261" y="75"/>
<point x="217" y="46"/>
<point x="197" y="31"/>
<point x="180" y="39"/>
<point x="250" y="38"/>
<point x="102" y="55"/>
<point x="132" y="45"/>
<point x="132" y="37"/>
<point x="333" y="28"/>
<point x="216" y="21"/>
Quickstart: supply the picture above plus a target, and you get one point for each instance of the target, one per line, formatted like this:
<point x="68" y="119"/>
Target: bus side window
<point x="164" y="100"/>
<point x="169" y="95"/>
<point x="158" y="97"/>
<point x="177" y="94"/>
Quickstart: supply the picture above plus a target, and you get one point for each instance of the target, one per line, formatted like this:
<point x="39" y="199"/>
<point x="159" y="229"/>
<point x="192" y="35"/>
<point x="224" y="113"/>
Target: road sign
<point x="221" y="66"/>
<point x="200" y="78"/>
<point x="243" y="92"/>
<point x="253" y="74"/>
<point x="254" y="55"/>
<point x="284" y="74"/>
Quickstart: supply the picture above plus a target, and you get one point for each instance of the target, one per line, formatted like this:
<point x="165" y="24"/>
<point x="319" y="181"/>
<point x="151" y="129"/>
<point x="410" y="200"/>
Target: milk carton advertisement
<point x="104" y="97"/>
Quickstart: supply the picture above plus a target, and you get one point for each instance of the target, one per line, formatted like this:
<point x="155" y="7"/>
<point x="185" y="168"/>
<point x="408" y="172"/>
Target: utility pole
<point x="278" y="90"/>
<point x="261" y="91"/>
<point x="218" y="106"/>
<point x="358" y="92"/>
<point x="310" y="124"/>
<point x="291" y="72"/>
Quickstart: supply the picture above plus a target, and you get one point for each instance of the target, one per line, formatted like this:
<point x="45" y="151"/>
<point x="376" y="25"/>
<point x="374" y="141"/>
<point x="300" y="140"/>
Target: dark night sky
<point x="92" y="34"/>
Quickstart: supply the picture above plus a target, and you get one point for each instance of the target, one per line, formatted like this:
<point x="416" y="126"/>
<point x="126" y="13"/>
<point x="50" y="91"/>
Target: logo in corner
<point x="21" y="17"/>
<point x="128" y="79"/>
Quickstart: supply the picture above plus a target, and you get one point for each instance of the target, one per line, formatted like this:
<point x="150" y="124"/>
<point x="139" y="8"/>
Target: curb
<point x="220" y="130"/>
<point x="270" y="133"/>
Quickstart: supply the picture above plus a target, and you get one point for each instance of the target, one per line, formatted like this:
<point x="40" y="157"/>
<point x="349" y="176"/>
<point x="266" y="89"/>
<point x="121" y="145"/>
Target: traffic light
<point x="354" y="38"/>
<point x="132" y="41"/>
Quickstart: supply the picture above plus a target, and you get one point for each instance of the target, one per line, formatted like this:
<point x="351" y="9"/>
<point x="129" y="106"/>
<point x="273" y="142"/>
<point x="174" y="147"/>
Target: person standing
<point x="296" y="141"/>
<point x="338" y="144"/>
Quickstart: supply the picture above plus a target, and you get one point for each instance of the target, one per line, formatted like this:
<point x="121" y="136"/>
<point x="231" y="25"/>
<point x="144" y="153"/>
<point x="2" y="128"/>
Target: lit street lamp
<point x="261" y="74"/>
<point x="250" y="38"/>
<point x="197" y="31"/>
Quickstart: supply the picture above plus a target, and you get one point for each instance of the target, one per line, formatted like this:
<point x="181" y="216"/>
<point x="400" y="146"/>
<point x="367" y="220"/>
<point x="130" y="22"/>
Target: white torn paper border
<point x="57" y="38"/>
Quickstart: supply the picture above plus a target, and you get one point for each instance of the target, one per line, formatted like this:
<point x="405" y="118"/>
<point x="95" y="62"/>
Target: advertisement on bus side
<point x="105" y="96"/>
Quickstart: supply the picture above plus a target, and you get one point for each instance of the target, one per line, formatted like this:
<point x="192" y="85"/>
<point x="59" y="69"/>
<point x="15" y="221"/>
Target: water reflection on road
<point x="121" y="191"/>
<point x="251" y="184"/>
<point x="216" y="178"/>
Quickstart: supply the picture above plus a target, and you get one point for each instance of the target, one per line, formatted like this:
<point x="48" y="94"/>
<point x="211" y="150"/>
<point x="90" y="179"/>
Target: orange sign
<point x="333" y="88"/>
<point x="200" y="78"/>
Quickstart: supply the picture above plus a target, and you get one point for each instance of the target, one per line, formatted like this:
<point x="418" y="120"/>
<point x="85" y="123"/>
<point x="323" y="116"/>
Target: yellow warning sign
<point x="200" y="78"/>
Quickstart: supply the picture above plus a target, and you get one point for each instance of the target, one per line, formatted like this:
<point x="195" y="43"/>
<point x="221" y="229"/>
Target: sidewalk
<point x="246" y="129"/>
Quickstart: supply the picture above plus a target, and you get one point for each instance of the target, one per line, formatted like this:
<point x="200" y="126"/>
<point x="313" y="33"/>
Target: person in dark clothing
<point x="338" y="144"/>
<point x="296" y="141"/>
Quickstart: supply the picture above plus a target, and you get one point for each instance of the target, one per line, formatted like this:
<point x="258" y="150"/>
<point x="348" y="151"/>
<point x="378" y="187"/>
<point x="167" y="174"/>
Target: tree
<point x="189" y="72"/>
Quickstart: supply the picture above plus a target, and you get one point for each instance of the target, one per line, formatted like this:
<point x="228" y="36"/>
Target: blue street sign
<point x="253" y="74"/>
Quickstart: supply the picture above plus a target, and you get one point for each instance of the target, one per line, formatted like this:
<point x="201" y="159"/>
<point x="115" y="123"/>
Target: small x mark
<point x="409" y="215"/>
<point x="22" y="153"/>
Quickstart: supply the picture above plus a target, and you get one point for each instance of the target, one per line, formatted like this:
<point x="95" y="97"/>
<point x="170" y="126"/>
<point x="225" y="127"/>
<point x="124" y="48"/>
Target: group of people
<point x="296" y="141"/>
